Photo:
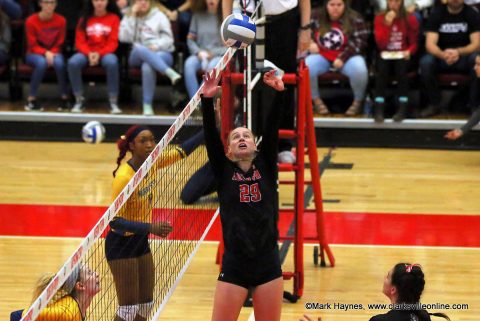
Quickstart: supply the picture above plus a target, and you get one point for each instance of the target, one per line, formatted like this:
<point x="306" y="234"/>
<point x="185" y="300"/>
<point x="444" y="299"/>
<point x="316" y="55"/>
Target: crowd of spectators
<point x="391" y="44"/>
<point x="379" y="45"/>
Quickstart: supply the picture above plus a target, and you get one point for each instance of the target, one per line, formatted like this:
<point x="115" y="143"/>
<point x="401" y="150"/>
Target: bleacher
<point x="334" y="130"/>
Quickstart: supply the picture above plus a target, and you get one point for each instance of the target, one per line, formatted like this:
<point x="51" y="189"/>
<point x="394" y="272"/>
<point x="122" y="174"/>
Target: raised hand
<point x="210" y="84"/>
<point x="161" y="229"/>
<point x="273" y="81"/>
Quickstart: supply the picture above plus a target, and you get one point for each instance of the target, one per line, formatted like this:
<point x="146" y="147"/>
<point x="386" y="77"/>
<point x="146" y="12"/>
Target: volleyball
<point x="238" y="31"/>
<point x="93" y="132"/>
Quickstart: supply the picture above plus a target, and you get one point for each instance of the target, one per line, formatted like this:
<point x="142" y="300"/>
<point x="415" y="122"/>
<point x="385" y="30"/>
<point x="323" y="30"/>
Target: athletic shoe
<point x="114" y="109"/>
<point x="32" y="105"/>
<point x="148" y="110"/>
<point x="176" y="79"/>
<point x="64" y="105"/>
<point x="431" y="110"/>
<point x="78" y="107"/>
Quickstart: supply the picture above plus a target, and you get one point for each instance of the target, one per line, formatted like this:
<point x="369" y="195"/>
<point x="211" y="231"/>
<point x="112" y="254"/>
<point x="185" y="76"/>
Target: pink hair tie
<point x="408" y="268"/>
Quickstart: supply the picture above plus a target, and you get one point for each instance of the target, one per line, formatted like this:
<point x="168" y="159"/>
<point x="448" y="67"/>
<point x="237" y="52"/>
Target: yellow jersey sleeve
<point x="65" y="309"/>
<point x="123" y="176"/>
<point x="170" y="156"/>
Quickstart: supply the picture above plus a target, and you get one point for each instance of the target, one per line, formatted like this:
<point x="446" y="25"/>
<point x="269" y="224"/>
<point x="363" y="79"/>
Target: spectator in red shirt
<point x="45" y="32"/>
<point x="396" y="34"/>
<point x="96" y="42"/>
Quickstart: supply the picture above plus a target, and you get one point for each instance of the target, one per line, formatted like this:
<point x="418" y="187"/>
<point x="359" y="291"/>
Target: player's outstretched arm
<point x="161" y="229"/>
<point x="215" y="149"/>
<point x="269" y="146"/>
<point x="459" y="132"/>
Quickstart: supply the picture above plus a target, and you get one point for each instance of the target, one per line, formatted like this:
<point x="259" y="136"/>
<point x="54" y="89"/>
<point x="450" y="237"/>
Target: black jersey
<point x="248" y="200"/>
<point x="402" y="315"/>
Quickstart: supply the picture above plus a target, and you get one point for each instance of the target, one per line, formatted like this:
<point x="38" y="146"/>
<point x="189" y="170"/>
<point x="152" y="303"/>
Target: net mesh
<point x="157" y="185"/>
<point x="169" y="254"/>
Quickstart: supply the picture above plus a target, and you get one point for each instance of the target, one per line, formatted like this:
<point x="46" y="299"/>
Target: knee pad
<point x="127" y="312"/>
<point x="144" y="309"/>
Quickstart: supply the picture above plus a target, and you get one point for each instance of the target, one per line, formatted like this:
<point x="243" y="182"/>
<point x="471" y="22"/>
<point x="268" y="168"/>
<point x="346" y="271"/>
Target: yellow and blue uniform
<point x="138" y="208"/>
<point x="65" y="309"/>
<point x="128" y="237"/>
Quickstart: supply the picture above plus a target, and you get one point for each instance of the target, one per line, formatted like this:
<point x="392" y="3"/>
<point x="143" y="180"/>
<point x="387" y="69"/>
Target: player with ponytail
<point x="71" y="301"/>
<point x="126" y="244"/>
<point x="246" y="183"/>
<point x="404" y="285"/>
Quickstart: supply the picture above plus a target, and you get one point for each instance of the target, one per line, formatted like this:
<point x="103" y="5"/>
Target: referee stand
<point x="304" y="134"/>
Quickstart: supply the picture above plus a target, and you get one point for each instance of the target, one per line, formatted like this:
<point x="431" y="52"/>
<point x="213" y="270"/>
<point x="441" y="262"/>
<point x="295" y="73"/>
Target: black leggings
<point x="385" y="70"/>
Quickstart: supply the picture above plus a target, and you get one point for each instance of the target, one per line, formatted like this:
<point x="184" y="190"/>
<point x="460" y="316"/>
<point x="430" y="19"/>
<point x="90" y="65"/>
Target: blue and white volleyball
<point x="93" y="132"/>
<point x="238" y="31"/>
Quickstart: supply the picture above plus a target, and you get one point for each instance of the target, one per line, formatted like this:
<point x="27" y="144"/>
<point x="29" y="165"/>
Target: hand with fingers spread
<point x="273" y="81"/>
<point x="210" y="84"/>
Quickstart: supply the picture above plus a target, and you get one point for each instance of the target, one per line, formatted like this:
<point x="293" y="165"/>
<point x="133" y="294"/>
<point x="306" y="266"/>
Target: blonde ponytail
<point x="42" y="284"/>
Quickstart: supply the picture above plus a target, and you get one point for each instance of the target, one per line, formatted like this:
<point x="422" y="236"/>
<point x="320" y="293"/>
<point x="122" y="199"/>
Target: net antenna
<point x="250" y="83"/>
<point x="95" y="238"/>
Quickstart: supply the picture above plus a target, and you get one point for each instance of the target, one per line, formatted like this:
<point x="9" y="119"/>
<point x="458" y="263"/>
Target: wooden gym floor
<point x="383" y="206"/>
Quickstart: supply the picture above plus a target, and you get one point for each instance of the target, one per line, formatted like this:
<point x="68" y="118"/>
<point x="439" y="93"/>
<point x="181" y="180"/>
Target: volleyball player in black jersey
<point x="403" y="285"/>
<point x="247" y="189"/>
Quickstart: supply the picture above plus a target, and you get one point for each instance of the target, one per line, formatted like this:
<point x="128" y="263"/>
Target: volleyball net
<point x="161" y="178"/>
